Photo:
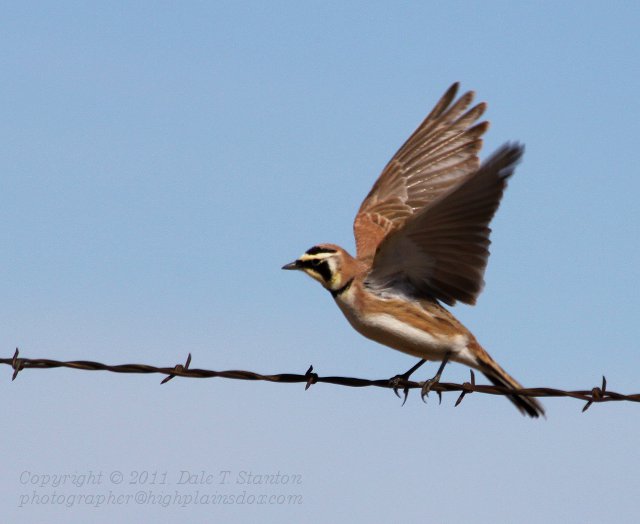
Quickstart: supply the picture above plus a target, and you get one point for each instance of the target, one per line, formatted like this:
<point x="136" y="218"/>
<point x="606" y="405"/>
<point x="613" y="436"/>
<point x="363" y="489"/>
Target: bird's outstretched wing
<point x="440" y="153"/>
<point x="441" y="252"/>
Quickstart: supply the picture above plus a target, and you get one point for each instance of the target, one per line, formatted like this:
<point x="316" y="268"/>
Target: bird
<point x="422" y="242"/>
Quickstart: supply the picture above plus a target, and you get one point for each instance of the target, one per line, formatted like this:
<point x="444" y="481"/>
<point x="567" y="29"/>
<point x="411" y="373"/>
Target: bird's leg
<point x="399" y="380"/>
<point x="428" y="384"/>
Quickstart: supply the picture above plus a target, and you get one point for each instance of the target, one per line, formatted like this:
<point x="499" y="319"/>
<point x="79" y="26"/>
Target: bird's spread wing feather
<point x="442" y="251"/>
<point x="435" y="158"/>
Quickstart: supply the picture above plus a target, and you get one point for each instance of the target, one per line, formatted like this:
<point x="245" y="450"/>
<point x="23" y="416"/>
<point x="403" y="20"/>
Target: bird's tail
<point x="499" y="377"/>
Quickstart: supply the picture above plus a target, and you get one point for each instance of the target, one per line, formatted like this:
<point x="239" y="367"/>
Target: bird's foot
<point x="428" y="384"/>
<point x="401" y="381"/>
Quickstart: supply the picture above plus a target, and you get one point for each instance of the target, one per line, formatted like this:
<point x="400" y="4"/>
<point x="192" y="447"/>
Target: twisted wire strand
<point x="589" y="396"/>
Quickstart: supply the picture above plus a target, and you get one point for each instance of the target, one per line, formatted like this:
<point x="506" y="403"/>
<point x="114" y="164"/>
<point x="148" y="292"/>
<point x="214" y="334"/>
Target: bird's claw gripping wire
<point x="428" y="384"/>
<point x="401" y="381"/>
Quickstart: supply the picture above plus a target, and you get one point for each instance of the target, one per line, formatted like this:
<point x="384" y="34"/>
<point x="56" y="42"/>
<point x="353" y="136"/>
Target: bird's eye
<point x="315" y="262"/>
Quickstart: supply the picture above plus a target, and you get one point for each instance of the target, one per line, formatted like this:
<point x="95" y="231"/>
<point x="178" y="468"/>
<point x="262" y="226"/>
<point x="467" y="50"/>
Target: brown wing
<point x="442" y="251"/>
<point x="437" y="156"/>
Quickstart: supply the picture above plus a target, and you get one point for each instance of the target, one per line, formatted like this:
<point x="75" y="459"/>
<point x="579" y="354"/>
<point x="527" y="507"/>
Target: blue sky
<point x="161" y="161"/>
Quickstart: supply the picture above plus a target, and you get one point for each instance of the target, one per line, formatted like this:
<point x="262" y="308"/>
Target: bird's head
<point x="324" y="263"/>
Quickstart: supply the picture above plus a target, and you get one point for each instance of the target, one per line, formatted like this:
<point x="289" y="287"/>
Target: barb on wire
<point x="467" y="388"/>
<point x="597" y="394"/>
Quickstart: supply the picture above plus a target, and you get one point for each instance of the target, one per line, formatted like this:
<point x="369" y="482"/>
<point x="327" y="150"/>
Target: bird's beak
<point x="293" y="265"/>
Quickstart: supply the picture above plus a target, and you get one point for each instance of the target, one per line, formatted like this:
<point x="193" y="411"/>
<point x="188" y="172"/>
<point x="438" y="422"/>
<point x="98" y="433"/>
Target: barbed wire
<point x="591" y="396"/>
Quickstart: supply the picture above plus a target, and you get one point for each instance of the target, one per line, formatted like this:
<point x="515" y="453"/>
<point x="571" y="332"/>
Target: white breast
<point x="393" y="332"/>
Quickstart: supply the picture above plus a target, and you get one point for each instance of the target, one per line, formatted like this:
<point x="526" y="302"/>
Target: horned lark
<point x="422" y="238"/>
